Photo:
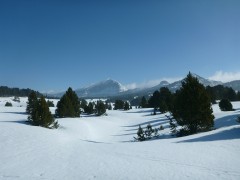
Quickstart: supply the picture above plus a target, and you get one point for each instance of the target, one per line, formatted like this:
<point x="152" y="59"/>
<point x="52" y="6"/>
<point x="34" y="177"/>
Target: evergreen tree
<point x="165" y="100"/>
<point x="119" y="104"/>
<point x="89" y="109"/>
<point x="69" y="105"/>
<point x="192" y="107"/>
<point x="83" y="104"/>
<point x="149" y="131"/>
<point x="41" y="116"/>
<point x="144" y="103"/>
<point x="50" y="103"/>
<point x="32" y="102"/>
<point x="225" y="105"/>
<point x="140" y="134"/>
<point x="8" y="104"/>
<point x="154" y="101"/>
<point x="126" y="106"/>
<point x="100" y="108"/>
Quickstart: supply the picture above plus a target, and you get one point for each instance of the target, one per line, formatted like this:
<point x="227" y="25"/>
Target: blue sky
<point x="51" y="45"/>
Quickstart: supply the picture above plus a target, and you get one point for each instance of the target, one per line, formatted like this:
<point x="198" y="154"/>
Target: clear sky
<point x="53" y="44"/>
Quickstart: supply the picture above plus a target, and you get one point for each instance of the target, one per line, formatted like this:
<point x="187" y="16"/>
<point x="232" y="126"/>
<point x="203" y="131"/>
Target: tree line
<point x="6" y="92"/>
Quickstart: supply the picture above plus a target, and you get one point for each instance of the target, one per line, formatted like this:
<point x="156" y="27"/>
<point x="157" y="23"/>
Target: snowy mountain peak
<point x="206" y="82"/>
<point x="105" y="88"/>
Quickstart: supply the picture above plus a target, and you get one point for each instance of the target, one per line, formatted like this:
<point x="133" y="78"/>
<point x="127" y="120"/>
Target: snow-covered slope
<point x="100" y="148"/>
<point x="101" y="89"/>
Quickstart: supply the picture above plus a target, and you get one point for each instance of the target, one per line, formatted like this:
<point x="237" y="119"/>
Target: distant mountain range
<point x="112" y="88"/>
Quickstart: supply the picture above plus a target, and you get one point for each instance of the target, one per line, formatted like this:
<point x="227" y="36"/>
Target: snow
<point x="101" y="147"/>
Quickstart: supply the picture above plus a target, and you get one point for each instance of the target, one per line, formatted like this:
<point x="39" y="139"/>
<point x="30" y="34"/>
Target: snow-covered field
<point x="100" y="148"/>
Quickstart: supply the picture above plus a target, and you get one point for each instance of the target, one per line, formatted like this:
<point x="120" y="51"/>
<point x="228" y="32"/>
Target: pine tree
<point x="40" y="115"/>
<point x="89" y="109"/>
<point x="69" y="105"/>
<point x="126" y="106"/>
<point x="119" y="104"/>
<point x="32" y="102"/>
<point x="192" y="107"/>
<point x="149" y="131"/>
<point x="100" y="108"/>
<point x="50" y="103"/>
<point x="140" y="134"/>
<point x="165" y="100"/>
<point x="144" y="103"/>
<point x="225" y="105"/>
<point x="83" y="104"/>
<point x="154" y="100"/>
<point x="8" y="104"/>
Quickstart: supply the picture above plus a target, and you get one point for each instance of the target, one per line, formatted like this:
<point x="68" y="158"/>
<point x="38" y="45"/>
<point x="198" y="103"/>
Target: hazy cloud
<point x="150" y="83"/>
<point x="225" y="76"/>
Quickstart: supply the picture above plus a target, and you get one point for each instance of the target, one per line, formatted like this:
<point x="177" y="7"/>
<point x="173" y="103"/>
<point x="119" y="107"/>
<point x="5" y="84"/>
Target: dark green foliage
<point x="8" y="104"/>
<point x="165" y="100"/>
<point x="83" y="103"/>
<point x="225" y="105"/>
<point x="212" y="94"/>
<point x="89" y="109"/>
<point x="69" y="105"/>
<point x="126" y="106"/>
<point x="100" y="108"/>
<point x="7" y="92"/>
<point x="119" y="104"/>
<point x="149" y="131"/>
<point x="154" y="101"/>
<point x="220" y="92"/>
<point x="50" y="103"/>
<point x="32" y="102"/>
<point x="192" y="107"/>
<point x="144" y="103"/>
<point x="140" y="134"/>
<point x="40" y="115"/>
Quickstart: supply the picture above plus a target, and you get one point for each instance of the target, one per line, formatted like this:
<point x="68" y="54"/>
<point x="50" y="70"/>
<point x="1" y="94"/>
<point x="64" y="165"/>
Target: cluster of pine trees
<point x="190" y="107"/>
<point x="99" y="108"/>
<point x="148" y="133"/>
<point x="120" y="104"/>
<point x="220" y="92"/>
<point x="39" y="113"/>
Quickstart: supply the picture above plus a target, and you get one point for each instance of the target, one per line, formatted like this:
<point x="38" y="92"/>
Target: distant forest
<point x="6" y="92"/>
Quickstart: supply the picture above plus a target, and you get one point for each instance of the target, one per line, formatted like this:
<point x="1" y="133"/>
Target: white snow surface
<point x="92" y="147"/>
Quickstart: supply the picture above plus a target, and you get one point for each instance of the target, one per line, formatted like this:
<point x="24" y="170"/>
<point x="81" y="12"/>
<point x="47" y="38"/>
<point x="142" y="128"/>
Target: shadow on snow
<point x="229" y="134"/>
